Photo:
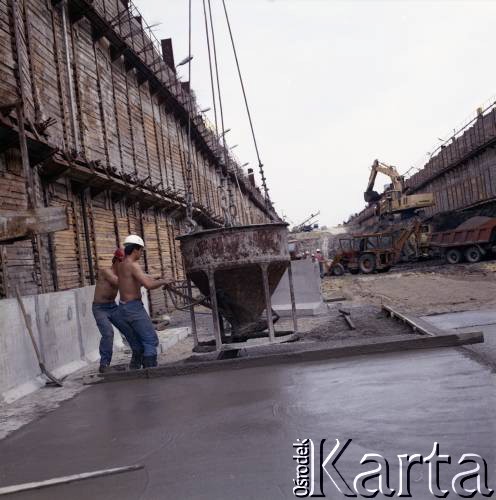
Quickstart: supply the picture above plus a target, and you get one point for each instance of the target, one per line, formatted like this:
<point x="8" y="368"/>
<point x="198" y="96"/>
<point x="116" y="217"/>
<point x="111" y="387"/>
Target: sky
<point x="334" y="84"/>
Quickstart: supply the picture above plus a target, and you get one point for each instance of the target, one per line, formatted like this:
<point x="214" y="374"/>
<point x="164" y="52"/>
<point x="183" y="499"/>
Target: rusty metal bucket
<point x="238" y="268"/>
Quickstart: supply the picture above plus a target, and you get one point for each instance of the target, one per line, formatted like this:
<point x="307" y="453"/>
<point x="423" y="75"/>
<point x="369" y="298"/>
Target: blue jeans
<point x="135" y="315"/>
<point x="107" y="315"/>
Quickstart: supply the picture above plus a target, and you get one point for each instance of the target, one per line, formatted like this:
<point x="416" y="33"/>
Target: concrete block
<point x="87" y="329"/>
<point x="66" y="334"/>
<point x="307" y="287"/>
<point x="144" y="298"/>
<point x="61" y="344"/>
<point x="171" y="336"/>
<point x="19" y="368"/>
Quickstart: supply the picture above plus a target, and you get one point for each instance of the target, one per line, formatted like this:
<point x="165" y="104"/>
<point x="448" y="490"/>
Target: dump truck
<point x="471" y="241"/>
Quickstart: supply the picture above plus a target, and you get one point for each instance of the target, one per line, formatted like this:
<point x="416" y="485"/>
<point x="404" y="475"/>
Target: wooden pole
<point x="268" y="302"/>
<point x="7" y="490"/>
<point x="33" y="341"/>
<point x="215" y="309"/>
<point x="292" y="297"/>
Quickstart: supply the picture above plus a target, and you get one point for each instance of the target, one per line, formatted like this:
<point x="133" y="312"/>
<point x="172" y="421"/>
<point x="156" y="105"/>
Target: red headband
<point x="119" y="255"/>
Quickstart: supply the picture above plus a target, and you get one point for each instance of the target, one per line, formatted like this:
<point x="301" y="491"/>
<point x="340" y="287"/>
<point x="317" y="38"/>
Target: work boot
<point x="149" y="361"/>
<point x="103" y="368"/>
<point x="136" y="360"/>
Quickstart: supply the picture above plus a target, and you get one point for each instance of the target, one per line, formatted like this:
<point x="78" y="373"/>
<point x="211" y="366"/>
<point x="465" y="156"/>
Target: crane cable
<point x="230" y="211"/>
<point x="189" y="170"/>
<point x="233" y="209"/>
<point x="214" y="100"/>
<point x="260" y="164"/>
<point x="221" y="188"/>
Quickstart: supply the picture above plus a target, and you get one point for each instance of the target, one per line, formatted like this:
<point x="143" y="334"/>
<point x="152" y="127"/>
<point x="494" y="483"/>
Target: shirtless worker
<point x="106" y="314"/>
<point x="131" y="309"/>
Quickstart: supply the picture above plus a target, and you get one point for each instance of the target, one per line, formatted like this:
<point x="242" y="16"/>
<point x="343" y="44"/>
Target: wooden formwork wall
<point x="103" y="113"/>
<point x="461" y="176"/>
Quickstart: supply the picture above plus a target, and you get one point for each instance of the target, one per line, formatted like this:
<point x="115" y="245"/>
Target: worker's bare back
<point x="106" y="287"/>
<point x="130" y="280"/>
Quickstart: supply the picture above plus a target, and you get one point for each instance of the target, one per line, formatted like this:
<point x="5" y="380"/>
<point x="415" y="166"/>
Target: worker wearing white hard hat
<point x="134" y="239"/>
<point x="131" y="279"/>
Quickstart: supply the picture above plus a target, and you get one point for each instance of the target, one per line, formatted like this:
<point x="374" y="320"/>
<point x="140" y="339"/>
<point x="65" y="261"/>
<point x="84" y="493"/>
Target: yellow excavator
<point x="394" y="200"/>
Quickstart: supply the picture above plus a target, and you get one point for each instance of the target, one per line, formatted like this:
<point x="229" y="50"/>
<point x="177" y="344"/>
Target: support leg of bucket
<point x="292" y="296"/>
<point x="215" y="310"/>
<point x="268" y="303"/>
<point x="192" y="314"/>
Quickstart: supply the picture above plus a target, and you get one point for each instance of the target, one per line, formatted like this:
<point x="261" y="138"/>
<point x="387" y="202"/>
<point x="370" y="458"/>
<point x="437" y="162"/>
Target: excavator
<point x="394" y="200"/>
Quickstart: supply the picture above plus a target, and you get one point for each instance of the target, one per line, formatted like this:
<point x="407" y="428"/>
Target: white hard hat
<point x="318" y="249"/>
<point x="134" y="239"/>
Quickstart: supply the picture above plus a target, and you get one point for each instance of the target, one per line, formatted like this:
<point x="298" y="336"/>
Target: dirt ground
<point x="421" y="289"/>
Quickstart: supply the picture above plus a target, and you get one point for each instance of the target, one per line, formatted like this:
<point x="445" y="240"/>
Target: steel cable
<point x="230" y="210"/>
<point x="260" y="164"/>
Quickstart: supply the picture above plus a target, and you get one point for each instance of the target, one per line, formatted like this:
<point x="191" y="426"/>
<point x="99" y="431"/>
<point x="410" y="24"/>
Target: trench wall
<point x="106" y="121"/>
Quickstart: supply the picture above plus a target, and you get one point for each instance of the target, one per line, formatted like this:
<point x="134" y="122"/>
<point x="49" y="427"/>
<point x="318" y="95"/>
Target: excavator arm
<point x="397" y="180"/>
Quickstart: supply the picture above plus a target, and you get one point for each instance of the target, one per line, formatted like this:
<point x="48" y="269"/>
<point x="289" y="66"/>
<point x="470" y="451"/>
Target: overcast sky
<point x="332" y="85"/>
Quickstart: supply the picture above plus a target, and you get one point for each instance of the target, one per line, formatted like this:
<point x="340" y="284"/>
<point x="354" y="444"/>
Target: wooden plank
<point x="418" y="325"/>
<point x="7" y="490"/>
<point x="24" y="224"/>
<point x="4" y="276"/>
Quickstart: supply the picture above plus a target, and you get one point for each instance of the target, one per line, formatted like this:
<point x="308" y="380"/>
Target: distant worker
<point x="131" y="308"/>
<point x="307" y="253"/>
<point x="106" y="314"/>
<point x="320" y="259"/>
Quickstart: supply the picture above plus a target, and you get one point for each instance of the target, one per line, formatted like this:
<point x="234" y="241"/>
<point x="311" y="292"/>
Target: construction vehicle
<point x="394" y="200"/>
<point x="307" y="225"/>
<point x="472" y="240"/>
<point x="371" y="252"/>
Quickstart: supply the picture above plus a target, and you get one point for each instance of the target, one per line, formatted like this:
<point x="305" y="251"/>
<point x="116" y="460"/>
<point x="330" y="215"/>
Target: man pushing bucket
<point x="131" y="309"/>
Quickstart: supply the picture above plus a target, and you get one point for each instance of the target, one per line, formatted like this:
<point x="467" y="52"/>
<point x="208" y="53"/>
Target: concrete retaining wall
<point x="307" y="288"/>
<point x="66" y="333"/>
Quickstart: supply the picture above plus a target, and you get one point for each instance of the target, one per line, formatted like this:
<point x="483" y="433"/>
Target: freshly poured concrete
<point x="229" y="434"/>
<point x="462" y="319"/>
<point x="468" y="321"/>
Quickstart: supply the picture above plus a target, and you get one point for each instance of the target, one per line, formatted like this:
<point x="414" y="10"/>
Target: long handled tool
<point x="43" y="369"/>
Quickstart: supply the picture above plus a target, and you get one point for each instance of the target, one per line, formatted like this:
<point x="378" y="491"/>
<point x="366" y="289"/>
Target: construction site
<point x="165" y="333"/>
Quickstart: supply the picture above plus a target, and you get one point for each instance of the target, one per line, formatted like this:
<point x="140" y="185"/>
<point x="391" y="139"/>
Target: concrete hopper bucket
<point x="236" y="268"/>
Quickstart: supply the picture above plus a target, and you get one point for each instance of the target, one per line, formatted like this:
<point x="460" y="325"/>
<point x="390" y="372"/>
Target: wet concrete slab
<point x="467" y="321"/>
<point x="229" y="434"/>
<point x="462" y="319"/>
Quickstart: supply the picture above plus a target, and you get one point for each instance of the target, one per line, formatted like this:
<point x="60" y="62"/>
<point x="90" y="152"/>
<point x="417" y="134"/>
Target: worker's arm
<point x="147" y="281"/>
<point x="110" y="277"/>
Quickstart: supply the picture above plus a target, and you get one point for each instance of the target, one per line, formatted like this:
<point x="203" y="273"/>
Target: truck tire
<point x="473" y="254"/>
<point x="367" y="263"/>
<point x="337" y="270"/>
<point x="453" y="256"/>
